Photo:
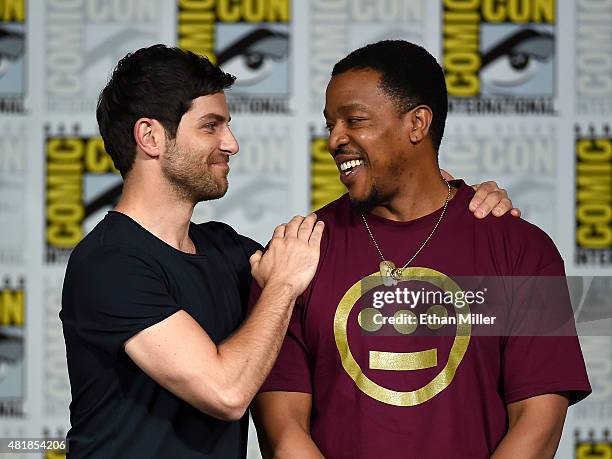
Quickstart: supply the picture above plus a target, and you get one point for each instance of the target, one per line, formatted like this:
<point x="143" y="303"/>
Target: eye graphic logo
<point x="519" y="62"/>
<point x="247" y="38"/>
<point x="258" y="55"/>
<point x="12" y="47"/>
<point x="379" y="359"/>
<point x="12" y="57"/>
<point x="499" y="57"/>
<point x="258" y="60"/>
<point x="12" y="321"/>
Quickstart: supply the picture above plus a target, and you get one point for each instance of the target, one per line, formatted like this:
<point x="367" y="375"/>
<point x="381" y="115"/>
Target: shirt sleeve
<point x="116" y="294"/>
<point x="542" y="353"/>
<point x="249" y="245"/>
<point x="238" y="249"/>
<point x="291" y="371"/>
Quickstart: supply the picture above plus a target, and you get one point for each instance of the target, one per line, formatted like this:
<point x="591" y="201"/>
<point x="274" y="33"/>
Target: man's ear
<point x="420" y="119"/>
<point x="150" y="136"/>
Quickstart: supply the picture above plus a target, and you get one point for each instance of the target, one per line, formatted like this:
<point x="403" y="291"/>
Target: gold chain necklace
<point x="390" y="274"/>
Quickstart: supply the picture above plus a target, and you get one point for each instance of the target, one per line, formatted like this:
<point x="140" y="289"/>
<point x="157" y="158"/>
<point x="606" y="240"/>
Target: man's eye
<point x="210" y="125"/>
<point x="354" y="120"/>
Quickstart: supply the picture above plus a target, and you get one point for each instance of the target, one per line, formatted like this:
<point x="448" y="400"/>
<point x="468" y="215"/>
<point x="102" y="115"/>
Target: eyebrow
<point x="344" y="109"/>
<point x="214" y="116"/>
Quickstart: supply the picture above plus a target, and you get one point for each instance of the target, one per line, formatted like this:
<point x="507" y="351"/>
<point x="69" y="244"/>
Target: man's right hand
<point x="292" y="256"/>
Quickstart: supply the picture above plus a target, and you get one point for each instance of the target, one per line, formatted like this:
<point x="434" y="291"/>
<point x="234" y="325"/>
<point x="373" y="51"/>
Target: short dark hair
<point x="157" y="82"/>
<point x="409" y="75"/>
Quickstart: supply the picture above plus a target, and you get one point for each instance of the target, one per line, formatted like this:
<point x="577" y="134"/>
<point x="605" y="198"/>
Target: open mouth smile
<point x="347" y="167"/>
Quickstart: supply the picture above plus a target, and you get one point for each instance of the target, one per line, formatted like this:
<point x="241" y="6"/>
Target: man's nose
<point x="337" y="137"/>
<point x="229" y="143"/>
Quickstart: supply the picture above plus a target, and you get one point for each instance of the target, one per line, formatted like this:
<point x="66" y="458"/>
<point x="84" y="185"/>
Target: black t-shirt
<point x="120" y="280"/>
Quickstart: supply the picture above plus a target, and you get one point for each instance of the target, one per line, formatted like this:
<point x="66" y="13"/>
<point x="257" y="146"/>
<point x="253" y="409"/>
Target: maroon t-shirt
<point x="451" y="401"/>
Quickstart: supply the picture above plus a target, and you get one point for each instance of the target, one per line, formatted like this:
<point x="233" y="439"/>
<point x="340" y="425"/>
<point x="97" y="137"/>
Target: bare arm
<point x="222" y="380"/>
<point x="283" y="425"/>
<point x="535" y="428"/>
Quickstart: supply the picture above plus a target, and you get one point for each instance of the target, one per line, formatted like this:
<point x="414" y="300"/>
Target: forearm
<point x="535" y="428"/>
<point x="292" y="443"/>
<point x="246" y="358"/>
<point x="282" y="420"/>
<point x="525" y="442"/>
<point x="220" y="380"/>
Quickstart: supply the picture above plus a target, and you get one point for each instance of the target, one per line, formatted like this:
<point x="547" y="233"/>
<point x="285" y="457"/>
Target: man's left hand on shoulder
<point x="489" y="198"/>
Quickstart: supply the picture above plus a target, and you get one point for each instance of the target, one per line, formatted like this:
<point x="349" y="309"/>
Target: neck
<point x="157" y="209"/>
<point x="420" y="194"/>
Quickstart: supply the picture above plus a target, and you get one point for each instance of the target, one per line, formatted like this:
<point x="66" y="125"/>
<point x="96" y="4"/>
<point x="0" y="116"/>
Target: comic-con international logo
<point x="12" y="55"/>
<point x="590" y="445"/>
<point x="593" y="196"/>
<point x="81" y="185"/>
<point x="593" y="60"/>
<point x="57" y="439"/>
<point x="336" y="27"/>
<point x="247" y="38"/>
<point x="325" y="184"/>
<point x="521" y="155"/>
<point x="13" y="185"/>
<point x="83" y="40"/>
<point x="56" y="384"/>
<point x="12" y="365"/>
<point x="499" y="56"/>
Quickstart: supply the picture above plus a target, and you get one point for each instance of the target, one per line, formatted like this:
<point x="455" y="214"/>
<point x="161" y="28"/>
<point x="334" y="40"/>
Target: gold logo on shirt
<point x="409" y="361"/>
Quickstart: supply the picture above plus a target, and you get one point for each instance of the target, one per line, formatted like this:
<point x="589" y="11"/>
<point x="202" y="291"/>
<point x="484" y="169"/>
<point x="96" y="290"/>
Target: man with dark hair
<point x="339" y="389"/>
<point x="160" y="362"/>
<point x="406" y="87"/>
<point x="160" y="81"/>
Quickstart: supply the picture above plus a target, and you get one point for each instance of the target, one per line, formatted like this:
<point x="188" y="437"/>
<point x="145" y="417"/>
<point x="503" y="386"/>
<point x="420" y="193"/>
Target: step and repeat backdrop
<point x="530" y="85"/>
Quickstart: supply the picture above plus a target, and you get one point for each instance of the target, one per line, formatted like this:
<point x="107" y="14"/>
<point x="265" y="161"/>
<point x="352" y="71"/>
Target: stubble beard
<point x="371" y="201"/>
<point x="190" y="178"/>
<point x="377" y="197"/>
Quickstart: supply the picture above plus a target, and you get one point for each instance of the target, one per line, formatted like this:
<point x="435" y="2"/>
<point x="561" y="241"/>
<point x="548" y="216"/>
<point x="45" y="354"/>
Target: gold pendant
<point x="388" y="272"/>
<point x="397" y="274"/>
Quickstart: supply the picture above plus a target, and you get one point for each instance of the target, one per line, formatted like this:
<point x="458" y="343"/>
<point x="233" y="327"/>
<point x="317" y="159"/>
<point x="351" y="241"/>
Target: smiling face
<point x="196" y="161"/>
<point x="367" y="137"/>
<point x="427" y="370"/>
